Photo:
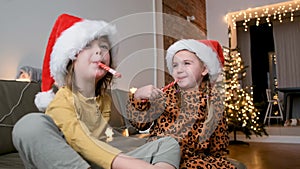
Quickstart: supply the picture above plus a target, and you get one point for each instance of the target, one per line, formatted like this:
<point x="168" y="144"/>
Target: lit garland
<point x="276" y="11"/>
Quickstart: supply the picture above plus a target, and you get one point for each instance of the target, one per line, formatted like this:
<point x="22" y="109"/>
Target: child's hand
<point x="148" y="92"/>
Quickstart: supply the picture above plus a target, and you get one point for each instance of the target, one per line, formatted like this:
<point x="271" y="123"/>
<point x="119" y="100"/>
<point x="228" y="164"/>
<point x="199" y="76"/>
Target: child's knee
<point x="171" y="141"/>
<point x="170" y="145"/>
<point x="169" y="152"/>
<point x="28" y="126"/>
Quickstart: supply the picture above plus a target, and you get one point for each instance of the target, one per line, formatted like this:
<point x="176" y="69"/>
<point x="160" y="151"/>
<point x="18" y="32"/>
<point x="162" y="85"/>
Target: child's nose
<point x="98" y="51"/>
<point x="180" y="68"/>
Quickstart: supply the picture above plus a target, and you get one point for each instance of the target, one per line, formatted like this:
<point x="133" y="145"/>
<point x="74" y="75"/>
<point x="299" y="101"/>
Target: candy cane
<point x="110" y="70"/>
<point x="169" y="85"/>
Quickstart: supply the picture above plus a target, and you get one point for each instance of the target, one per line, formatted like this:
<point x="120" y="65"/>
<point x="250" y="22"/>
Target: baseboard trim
<point x="270" y="139"/>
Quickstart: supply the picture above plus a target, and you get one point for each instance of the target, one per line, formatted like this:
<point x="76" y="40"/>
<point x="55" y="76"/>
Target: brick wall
<point x="176" y="25"/>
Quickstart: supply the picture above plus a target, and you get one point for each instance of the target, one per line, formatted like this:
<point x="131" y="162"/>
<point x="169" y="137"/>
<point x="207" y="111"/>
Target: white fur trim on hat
<point x="42" y="99"/>
<point x="204" y="53"/>
<point x="72" y="41"/>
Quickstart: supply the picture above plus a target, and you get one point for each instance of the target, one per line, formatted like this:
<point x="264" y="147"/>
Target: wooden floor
<point x="279" y="150"/>
<point x="267" y="155"/>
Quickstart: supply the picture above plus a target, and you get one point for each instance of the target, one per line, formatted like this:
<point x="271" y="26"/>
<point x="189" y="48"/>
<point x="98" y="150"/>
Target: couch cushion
<point x="11" y="161"/>
<point x="118" y="118"/>
<point x="118" y="99"/>
<point x="16" y="100"/>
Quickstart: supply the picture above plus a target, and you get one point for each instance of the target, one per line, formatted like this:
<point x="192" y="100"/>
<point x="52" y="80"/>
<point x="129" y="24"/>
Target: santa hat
<point x="69" y="35"/>
<point x="209" y="52"/>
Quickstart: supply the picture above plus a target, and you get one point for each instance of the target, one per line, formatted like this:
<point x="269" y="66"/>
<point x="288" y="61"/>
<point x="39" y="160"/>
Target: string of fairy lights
<point x="278" y="12"/>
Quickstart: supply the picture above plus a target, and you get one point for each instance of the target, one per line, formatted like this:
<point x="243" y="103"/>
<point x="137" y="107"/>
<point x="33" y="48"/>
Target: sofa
<point x="17" y="99"/>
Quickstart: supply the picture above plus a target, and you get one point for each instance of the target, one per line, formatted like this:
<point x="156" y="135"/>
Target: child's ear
<point x="205" y="71"/>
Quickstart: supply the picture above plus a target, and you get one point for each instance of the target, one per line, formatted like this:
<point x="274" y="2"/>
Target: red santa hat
<point x="69" y="35"/>
<point x="209" y="52"/>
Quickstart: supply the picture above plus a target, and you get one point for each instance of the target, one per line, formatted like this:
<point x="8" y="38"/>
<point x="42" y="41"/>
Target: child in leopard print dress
<point x="192" y="110"/>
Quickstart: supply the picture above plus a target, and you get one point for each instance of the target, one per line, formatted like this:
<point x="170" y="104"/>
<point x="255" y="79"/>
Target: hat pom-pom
<point x="42" y="99"/>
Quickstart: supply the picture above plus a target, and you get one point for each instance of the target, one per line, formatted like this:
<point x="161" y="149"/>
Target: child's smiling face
<point x="188" y="69"/>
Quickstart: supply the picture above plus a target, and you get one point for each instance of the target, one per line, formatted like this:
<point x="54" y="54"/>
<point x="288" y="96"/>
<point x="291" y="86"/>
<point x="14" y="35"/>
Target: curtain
<point x="243" y="44"/>
<point x="287" y="50"/>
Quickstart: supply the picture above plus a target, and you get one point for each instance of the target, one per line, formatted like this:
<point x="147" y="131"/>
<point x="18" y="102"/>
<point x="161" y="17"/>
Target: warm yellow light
<point x="23" y="80"/>
<point x="133" y="90"/>
<point x="280" y="9"/>
<point x="125" y="133"/>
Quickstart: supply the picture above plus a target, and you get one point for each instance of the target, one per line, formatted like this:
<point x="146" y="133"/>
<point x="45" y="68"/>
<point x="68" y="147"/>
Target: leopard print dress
<point x="182" y="115"/>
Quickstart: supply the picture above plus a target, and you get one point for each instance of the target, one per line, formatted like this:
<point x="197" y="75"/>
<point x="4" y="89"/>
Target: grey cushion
<point x="11" y="161"/>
